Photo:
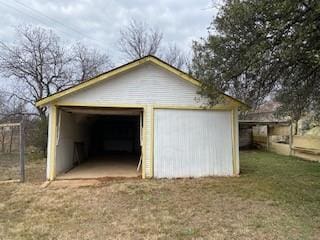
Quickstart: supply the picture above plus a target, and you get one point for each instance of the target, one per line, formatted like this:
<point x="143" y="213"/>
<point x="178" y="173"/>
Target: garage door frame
<point x="53" y="128"/>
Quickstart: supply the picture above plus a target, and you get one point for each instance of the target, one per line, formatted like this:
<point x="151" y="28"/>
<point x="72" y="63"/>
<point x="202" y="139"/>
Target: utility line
<point x="56" y="21"/>
<point x="34" y="17"/>
<point x="49" y="18"/>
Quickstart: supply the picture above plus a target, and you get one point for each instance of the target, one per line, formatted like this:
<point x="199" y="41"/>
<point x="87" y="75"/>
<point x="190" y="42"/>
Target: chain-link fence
<point x="12" y="152"/>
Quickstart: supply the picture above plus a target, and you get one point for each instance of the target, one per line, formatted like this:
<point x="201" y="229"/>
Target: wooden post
<point x="290" y="140"/>
<point x="267" y="137"/>
<point x="22" y="170"/>
<point x="141" y="141"/>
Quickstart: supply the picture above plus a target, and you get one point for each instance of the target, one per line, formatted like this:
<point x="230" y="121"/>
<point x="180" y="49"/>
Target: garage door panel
<point x="192" y="143"/>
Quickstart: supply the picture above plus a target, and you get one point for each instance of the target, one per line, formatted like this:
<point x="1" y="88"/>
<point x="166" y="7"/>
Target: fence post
<point x="268" y="137"/>
<point x="22" y="170"/>
<point x="290" y="139"/>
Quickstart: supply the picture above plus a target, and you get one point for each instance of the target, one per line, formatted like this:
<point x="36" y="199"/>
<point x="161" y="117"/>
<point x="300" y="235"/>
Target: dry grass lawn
<point x="276" y="197"/>
<point x="9" y="166"/>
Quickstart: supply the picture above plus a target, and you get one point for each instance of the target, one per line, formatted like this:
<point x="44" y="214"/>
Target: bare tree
<point x="175" y="57"/>
<point x="88" y="62"/>
<point x="138" y="40"/>
<point x="36" y="62"/>
<point x="41" y="66"/>
<point x="12" y="108"/>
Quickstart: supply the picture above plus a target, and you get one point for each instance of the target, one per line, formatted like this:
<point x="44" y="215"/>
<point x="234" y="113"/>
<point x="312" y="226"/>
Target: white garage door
<point x="192" y="143"/>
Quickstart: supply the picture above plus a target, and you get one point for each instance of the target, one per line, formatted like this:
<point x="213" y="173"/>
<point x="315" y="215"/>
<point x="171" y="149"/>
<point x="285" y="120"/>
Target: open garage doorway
<point x="99" y="143"/>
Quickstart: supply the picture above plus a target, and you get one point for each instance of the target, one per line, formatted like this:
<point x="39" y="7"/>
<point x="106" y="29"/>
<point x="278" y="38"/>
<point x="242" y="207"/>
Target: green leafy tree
<point x="259" y="47"/>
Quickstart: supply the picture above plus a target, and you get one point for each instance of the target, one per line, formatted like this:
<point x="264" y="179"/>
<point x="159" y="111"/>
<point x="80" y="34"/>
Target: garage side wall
<point x="69" y="130"/>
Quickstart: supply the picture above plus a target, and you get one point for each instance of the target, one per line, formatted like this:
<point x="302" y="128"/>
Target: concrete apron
<point x="111" y="166"/>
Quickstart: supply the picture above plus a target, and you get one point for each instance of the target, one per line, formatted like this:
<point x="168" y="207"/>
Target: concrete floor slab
<point x="112" y="165"/>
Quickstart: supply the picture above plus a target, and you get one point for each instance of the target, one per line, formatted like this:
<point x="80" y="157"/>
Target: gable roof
<point x="122" y="69"/>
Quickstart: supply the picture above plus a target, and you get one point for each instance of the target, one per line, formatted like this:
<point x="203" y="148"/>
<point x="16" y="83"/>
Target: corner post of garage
<point x="152" y="144"/>
<point x="235" y="136"/>
<point x="52" y="135"/>
<point x="147" y="160"/>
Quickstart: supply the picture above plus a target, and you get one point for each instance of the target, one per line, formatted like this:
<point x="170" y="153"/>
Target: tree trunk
<point x="296" y="127"/>
<point x="44" y="132"/>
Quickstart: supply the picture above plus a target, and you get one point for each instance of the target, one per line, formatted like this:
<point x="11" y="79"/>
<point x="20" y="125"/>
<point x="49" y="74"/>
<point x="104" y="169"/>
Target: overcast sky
<point x="97" y="22"/>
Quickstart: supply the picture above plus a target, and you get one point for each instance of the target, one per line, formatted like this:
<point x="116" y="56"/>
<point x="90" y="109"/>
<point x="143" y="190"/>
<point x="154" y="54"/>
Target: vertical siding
<point x="192" y="143"/>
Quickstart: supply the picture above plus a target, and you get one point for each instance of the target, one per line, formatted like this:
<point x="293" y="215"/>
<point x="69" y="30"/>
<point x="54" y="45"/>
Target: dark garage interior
<point x="105" y="143"/>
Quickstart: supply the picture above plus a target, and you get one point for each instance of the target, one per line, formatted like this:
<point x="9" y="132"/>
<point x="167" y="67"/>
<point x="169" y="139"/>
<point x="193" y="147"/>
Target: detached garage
<point x="143" y="119"/>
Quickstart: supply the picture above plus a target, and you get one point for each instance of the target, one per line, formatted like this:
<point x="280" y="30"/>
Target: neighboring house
<point x="265" y="112"/>
<point x="144" y="116"/>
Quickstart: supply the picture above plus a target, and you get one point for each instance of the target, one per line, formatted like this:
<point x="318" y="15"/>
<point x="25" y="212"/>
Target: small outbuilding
<point x="144" y="118"/>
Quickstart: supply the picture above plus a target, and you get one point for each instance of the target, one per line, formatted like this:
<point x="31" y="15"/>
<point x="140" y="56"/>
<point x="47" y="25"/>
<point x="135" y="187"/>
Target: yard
<point x="275" y="197"/>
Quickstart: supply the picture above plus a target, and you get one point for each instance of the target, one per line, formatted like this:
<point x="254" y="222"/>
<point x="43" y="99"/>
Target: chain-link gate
<point x="12" y="166"/>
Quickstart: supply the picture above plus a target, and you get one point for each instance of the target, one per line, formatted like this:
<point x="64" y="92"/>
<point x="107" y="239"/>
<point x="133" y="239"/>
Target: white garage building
<point x="144" y="119"/>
